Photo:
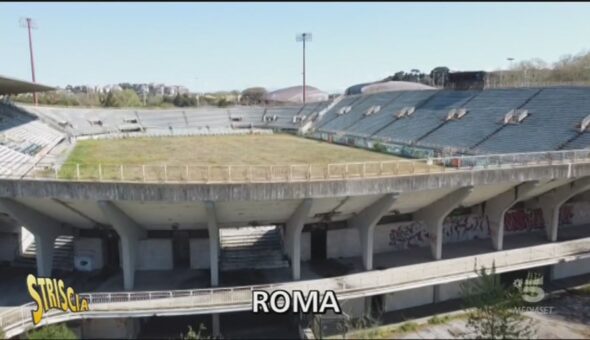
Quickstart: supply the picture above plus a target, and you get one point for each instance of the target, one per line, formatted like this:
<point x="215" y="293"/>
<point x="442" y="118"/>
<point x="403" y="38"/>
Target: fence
<point x="204" y="173"/>
<point x="350" y="286"/>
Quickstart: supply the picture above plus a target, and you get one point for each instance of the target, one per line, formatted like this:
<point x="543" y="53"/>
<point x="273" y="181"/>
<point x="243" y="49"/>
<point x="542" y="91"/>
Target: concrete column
<point x="496" y="207"/>
<point x="434" y="216"/>
<point x="44" y="228"/>
<point x="436" y="294"/>
<point x="551" y="203"/>
<point x="215" y="326"/>
<point x="365" y="223"/>
<point x="294" y="227"/>
<point x="213" y="229"/>
<point x="130" y="233"/>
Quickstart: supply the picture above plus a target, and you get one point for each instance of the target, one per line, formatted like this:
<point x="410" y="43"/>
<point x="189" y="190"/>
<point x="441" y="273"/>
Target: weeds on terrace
<point x="199" y="334"/>
<point x="437" y="320"/>
<point x="409" y="326"/>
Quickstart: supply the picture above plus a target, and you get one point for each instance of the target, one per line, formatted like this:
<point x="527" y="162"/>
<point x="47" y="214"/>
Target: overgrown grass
<point x="437" y="320"/>
<point x="208" y="153"/>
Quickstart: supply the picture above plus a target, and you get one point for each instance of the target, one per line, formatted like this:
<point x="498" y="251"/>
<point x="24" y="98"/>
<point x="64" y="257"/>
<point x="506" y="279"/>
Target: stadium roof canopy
<point x="15" y="86"/>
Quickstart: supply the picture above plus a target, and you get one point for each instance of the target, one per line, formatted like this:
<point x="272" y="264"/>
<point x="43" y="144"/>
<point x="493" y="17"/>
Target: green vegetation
<point x="494" y="313"/>
<point x="253" y="96"/>
<point x="378" y="147"/>
<point x="207" y="157"/>
<point x="437" y="320"/>
<point x="192" y="335"/>
<point x="2" y="334"/>
<point x="124" y="98"/>
<point x="408" y="327"/>
<point x="59" y="331"/>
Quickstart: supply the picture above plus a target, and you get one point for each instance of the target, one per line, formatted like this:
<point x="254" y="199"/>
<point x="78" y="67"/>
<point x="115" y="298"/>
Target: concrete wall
<point x="408" y="298"/>
<point x="354" y="307"/>
<point x="574" y="268"/>
<point x="8" y="246"/>
<point x="404" y="235"/>
<point x="282" y="191"/>
<point x="154" y="254"/>
<point x="305" y="246"/>
<point x="343" y="243"/>
<point x="120" y="328"/>
<point x="199" y="248"/>
<point x="91" y="248"/>
<point x="451" y="290"/>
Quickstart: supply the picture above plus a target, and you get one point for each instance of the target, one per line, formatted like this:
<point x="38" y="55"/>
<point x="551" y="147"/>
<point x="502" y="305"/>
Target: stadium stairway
<point x="251" y="248"/>
<point x="63" y="257"/>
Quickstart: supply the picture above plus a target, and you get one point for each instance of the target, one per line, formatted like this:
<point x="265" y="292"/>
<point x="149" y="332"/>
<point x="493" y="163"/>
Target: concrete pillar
<point x="44" y="228"/>
<point x="213" y="229"/>
<point x="552" y="201"/>
<point x="365" y="223"/>
<point x="130" y="233"/>
<point x="294" y="227"/>
<point x="434" y="215"/>
<point x="215" y="326"/>
<point x="436" y="293"/>
<point x="497" y="206"/>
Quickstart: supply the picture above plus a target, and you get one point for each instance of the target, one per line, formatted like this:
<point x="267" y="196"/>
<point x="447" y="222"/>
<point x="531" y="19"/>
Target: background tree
<point x="253" y="96"/>
<point x="123" y="98"/>
<point x="494" y="313"/>
<point x="59" y="331"/>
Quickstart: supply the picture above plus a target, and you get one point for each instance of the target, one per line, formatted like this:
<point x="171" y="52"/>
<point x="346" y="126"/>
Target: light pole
<point x="30" y="24"/>
<point x="510" y="60"/>
<point x="303" y="37"/>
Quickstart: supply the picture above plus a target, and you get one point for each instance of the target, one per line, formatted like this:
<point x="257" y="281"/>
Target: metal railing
<point x="228" y="299"/>
<point x="238" y="173"/>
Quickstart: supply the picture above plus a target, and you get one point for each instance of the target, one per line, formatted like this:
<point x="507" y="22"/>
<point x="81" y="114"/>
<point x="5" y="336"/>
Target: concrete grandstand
<point x="488" y="177"/>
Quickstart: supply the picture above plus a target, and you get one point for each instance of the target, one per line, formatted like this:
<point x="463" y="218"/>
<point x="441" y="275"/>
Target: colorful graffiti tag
<point x="523" y="220"/>
<point x="470" y="227"/>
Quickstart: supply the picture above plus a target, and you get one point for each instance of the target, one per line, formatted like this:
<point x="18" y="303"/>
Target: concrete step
<point x="243" y="255"/>
<point x="253" y="265"/>
<point x="273" y="236"/>
<point x="249" y="250"/>
<point x="254" y="247"/>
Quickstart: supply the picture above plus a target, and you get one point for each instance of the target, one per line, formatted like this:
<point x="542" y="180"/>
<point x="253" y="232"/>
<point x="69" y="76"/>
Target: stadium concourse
<point x="491" y="177"/>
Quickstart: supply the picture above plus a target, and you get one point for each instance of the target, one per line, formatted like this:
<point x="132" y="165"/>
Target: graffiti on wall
<point x="408" y="235"/>
<point x="466" y="227"/>
<point x="455" y="229"/>
<point x="470" y="227"/>
<point x="523" y="220"/>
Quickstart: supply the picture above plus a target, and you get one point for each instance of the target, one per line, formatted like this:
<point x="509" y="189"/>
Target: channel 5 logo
<point x="53" y="294"/>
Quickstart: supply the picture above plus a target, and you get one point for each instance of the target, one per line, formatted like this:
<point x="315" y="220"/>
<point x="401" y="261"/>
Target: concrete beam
<point x="365" y="223"/>
<point x="130" y="233"/>
<point x="213" y="228"/>
<point x="44" y="228"/>
<point x="496" y="207"/>
<point x="434" y="216"/>
<point x="294" y="227"/>
<point x="552" y="201"/>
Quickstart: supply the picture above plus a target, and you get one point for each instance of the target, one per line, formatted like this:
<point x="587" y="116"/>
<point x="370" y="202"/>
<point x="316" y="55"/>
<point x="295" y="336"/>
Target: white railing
<point x="174" y="302"/>
<point x="237" y="173"/>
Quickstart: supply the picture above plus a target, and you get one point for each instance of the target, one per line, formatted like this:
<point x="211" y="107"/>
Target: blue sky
<point x="228" y="46"/>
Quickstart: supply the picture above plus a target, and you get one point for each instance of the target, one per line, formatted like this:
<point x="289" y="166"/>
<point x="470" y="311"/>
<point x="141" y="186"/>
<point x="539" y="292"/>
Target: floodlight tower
<point x="303" y="37"/>
<point x="30" y="24"/>
<point x="510" y="60"/>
